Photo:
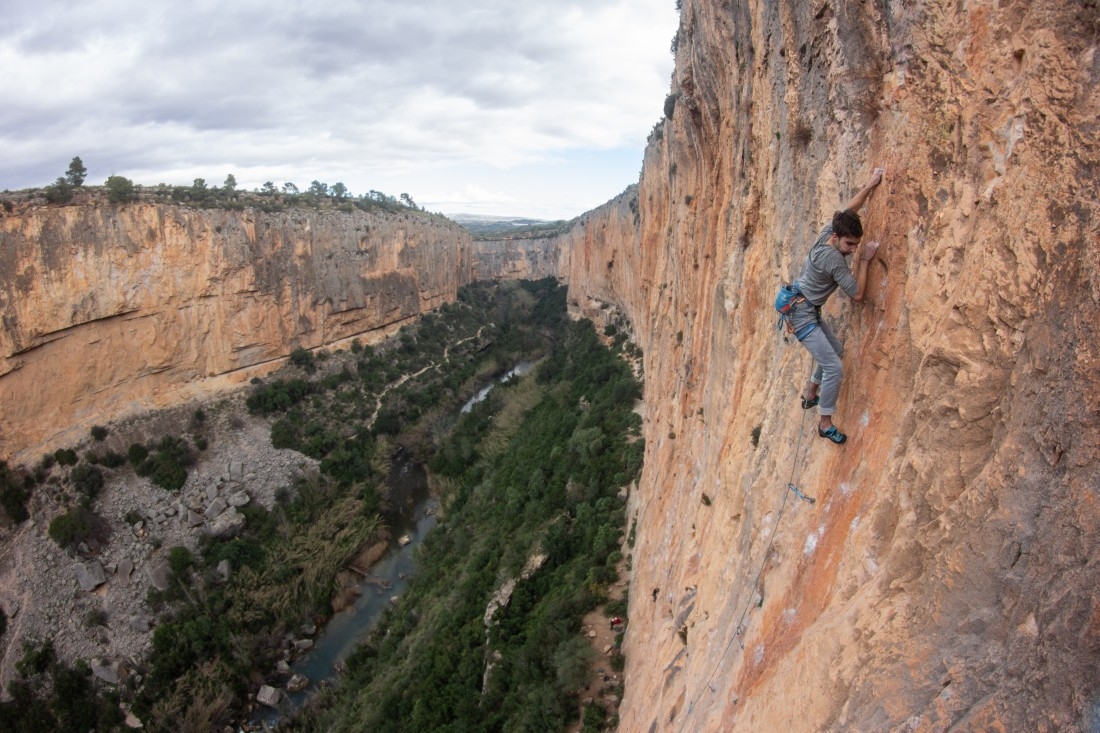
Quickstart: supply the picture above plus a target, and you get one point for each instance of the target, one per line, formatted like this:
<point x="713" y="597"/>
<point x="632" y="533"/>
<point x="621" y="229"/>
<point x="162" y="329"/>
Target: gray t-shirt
<point x="824" y="270"/>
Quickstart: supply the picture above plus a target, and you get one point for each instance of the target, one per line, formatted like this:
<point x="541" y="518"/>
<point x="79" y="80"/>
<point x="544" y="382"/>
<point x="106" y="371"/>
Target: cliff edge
<point x="109" y="309"/>
<point x="947" y="577"/>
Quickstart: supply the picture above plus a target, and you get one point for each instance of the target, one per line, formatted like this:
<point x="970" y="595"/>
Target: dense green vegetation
<point x="545" y="483"/>
<point x="52" y="697"/>
<point x="534" y="469"/>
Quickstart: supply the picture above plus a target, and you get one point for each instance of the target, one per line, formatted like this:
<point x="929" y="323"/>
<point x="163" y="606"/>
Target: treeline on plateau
<point x="533" y="469"/>
<point x="268" y="197"/>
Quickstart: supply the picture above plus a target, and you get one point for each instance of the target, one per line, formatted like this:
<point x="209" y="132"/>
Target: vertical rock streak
<point x="947" y="575"/>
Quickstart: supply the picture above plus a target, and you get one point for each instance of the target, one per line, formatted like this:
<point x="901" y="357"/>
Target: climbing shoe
<point x="832" y="434"/>
<point x="807" y="404"/>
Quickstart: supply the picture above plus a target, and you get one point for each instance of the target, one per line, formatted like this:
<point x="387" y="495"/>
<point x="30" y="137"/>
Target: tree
<point x="76" y="173"/>
<point x="231" y="184"/>
<point x="407" y="200"/>
<point x="339" y="190"/>
<point x="289" y="187"/>
<point x="120" y="189"/>
<point x="268" y="188"/>
<point x="318" y="189"/>
<point x="60" y="192"/>
<point x="199" y="186"/>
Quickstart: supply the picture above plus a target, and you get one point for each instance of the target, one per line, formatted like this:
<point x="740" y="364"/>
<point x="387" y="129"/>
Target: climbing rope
<point x="791" y="488"/>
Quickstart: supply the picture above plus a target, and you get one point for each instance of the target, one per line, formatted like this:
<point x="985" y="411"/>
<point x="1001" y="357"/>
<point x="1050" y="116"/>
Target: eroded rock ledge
<point x="109" y="310"/>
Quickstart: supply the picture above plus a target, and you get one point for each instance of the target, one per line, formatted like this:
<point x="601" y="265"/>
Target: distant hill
<point x="491" y="227"/>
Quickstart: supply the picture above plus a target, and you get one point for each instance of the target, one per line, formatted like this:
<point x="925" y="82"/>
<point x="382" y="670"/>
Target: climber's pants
<point x="826" y="351"/>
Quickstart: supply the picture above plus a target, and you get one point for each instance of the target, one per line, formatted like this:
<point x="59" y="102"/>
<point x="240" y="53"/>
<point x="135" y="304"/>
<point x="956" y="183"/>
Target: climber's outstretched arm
<point x="857" y="201"/>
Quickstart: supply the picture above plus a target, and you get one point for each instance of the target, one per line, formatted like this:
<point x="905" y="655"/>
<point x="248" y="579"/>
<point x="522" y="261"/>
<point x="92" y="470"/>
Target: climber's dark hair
<point x="847" y="224"/>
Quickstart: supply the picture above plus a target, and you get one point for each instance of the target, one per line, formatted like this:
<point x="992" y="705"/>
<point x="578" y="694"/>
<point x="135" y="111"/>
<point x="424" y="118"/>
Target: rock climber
<point x="825" y="269"/>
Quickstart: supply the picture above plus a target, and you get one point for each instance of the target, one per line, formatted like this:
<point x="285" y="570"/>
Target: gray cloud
<point x="373" y="93"/>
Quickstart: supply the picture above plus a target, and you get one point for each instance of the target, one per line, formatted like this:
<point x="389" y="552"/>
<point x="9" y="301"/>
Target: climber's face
<point x="845" y="245"/>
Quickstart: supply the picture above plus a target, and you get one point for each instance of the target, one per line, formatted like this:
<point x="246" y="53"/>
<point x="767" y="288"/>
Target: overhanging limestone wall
<point x="947" y="576"/>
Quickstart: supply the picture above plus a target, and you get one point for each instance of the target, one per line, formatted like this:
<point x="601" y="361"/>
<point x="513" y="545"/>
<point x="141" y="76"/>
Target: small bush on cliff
<point x="60" y="192"/>
<point x="166" y="464"/>
<point x="87" y="479"/>
<point x="99" y="433"/>
<point x="13" y="495"/>
<point x="79" y="524"/>
<point x="137" y="453"/>
<point x="304" y="359"/>
<point x="65" y="456"/>
<point x="120" y="190"/>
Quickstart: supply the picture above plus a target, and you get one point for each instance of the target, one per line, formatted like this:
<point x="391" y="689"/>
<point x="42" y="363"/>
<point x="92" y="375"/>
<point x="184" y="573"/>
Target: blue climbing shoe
<point x="832" y="434"/>
<point x="807" y="404"/>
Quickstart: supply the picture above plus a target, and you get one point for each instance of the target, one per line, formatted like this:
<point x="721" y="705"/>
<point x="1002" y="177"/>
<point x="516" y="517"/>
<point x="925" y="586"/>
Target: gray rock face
<point x="90" y="576"/>
<point x="226" y="526"/>
<point x="239" y="499"/>
<point x="214" y="508"/>
<point x="158" y="574"/>
<point x="268" y="696"/>
<point x="140" y="623"/>
<point x="125" y="567"/>
<point x="110" y="672"/>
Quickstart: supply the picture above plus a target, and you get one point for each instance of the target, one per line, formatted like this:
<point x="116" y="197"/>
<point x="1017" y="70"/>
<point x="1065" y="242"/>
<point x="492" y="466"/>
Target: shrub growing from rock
<point x="70" y="529"/>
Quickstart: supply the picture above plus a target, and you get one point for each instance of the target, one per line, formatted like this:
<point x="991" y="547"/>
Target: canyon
<point x="947" y="576"/>
<point x="112" y="310"/>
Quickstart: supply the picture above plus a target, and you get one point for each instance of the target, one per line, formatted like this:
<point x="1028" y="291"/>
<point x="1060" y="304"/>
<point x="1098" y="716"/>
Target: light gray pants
<point x="826" y="351"/>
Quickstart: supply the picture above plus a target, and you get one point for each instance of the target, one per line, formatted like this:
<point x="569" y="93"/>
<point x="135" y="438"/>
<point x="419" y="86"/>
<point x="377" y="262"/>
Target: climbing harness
<point x="739" y="634"/>
<point x="788" y="297"/>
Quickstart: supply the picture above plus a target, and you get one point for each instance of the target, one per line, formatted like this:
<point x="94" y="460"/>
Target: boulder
<point x="140" y="623"/>
<point x="297" y="682"/>
<point x="110" y="672"/>
<point x="303" y="645"/>
<point x="158" y="573"/>
<point x="226" y="526"/>
<point x="90" y="576"/>
<point x="308" y="629"/>
<point x="282" y="667"/>
<point x="236" y="471"/>
<point x="239" y="499"/>
<point x="194" y="519"/>
<point x="125" y="567"/>
<point x="268" y="696"/>
<point x="214" y="508"/>
<point x="224" y="571"/>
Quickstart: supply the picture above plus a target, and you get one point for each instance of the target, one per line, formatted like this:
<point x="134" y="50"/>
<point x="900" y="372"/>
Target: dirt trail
<point x="597" y="628"/>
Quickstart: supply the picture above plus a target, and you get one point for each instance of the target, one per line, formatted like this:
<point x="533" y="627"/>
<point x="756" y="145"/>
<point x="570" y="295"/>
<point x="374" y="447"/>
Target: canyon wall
<point x="108" y="310"/>
<point x="947" y="577"/>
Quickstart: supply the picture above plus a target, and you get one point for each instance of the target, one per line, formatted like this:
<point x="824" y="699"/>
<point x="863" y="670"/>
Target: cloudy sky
<point x="512" y="107"/>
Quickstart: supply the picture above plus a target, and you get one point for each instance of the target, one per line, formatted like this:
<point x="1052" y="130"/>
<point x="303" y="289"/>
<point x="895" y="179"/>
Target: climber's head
<point x="847" y="231"/>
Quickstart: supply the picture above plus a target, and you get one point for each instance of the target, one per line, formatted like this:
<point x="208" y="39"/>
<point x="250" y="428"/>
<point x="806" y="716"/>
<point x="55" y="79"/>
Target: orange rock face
<point x="948" y="576"/>
<point x="108" y="310"/>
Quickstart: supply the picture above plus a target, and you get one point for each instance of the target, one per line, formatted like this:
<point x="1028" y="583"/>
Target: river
<point x="410" y="516"/>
